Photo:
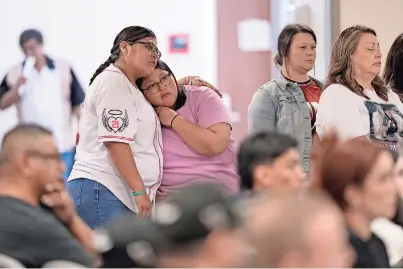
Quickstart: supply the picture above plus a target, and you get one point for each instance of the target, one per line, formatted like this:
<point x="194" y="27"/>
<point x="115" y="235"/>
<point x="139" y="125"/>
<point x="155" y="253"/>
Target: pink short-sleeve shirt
<point x="182" y="165"/>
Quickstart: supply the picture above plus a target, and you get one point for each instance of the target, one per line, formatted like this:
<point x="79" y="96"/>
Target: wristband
<point x="172" y="121"/>
<point x="139" y="193"/>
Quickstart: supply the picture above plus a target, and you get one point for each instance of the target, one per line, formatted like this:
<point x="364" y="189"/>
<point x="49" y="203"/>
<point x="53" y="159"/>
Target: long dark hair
<point x="181" y="99"/>
<point x="128" y="34"/>
<point x="393" y="72"/>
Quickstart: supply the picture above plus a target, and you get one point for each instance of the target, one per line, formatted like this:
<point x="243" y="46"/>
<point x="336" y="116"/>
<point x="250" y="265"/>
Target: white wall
<point x="83" y="32"/>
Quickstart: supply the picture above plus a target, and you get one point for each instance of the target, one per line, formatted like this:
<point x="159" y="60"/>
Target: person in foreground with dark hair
<point x="129" y="242"/>
<point x="38" y="223"/>
<point x="46" y="91"/>
<point x="269" y="160"/>
<point x="196" y="134"/>
<point x="201" y="229"/>
<point x="190" y="230"/>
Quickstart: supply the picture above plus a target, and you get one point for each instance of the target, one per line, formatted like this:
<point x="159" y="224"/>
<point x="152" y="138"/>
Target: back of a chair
<point x="62" y="264"/>
<point x="9" y="262"/>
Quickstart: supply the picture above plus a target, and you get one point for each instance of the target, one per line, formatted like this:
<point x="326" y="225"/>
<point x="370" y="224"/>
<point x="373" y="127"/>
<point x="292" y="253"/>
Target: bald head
<point x="20" y="139"/>
<point x="280" y="225"/>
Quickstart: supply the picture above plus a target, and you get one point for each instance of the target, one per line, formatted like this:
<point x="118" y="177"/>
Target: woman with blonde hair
<point x="356" y="102"/>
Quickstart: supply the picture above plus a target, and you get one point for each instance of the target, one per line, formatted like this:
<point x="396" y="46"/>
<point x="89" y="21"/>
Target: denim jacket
<point x="279" y="105"/>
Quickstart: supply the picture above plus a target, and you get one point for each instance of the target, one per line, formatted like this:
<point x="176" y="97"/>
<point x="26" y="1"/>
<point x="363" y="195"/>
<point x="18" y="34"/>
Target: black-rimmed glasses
<point x="151" y="47"/>
<point x="43" y="155"/>
<point x="165" y="81"/>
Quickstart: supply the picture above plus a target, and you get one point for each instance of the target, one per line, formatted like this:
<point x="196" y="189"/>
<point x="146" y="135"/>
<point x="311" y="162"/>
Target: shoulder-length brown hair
<point x="340" y="165"/>
<point x="341" y="70"/>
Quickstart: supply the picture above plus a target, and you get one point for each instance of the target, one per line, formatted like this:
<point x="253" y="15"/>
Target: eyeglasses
<point x="151" y="47"/>
<point x="44" y="156"/>
<point x="165" y="81"/>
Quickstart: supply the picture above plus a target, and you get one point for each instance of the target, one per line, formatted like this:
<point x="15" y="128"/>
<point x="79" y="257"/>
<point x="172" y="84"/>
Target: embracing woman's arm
<point x="261" y="111"/>
<point x="197" y="81"/>
<point x="210" y="141"/>
<point x="210" y="134"/>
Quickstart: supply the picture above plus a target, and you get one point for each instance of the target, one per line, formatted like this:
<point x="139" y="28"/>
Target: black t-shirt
<point x="371" y="253"/>
<point x="34" y="236"/>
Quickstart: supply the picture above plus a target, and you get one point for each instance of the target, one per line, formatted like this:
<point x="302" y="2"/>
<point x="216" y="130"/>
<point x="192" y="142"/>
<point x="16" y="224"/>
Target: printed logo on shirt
<point x="385" y="124"/>
<point x="115" y="120"/>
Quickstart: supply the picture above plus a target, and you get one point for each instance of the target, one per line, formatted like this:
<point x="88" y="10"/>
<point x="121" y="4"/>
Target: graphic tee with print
<point x="351" y="115"/>
<point x="115" y="110"/>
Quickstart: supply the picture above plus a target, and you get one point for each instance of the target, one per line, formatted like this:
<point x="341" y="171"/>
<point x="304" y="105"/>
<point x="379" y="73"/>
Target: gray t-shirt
<point x="34" y="236"/>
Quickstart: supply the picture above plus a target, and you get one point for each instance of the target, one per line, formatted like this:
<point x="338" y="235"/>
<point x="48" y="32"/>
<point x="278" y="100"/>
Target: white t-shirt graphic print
<point x="115" y="110"/>
<point x="115" y="120"/>
<point x="114" y="123"/>
<point x="351" y="115"/>
<point x="385" y="124"/>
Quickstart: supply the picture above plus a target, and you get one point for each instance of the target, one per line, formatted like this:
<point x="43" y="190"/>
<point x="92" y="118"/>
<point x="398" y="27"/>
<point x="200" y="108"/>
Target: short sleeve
<point x="340" y="110"/>
<point x="77" y="94"/>
<point x="4" y="87"/>
<point x="211" y="109"/>
<point x="116" y="116"/>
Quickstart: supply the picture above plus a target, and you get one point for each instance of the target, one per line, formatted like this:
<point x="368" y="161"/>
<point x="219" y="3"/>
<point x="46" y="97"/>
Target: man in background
<point x="46" y="92"/>
<point x="38" y="221"/>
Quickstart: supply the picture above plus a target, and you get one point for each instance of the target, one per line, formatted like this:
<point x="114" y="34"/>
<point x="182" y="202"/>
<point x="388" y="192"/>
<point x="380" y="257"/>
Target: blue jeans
<point x="68" y="159"/>
<point x="95" y="203"/>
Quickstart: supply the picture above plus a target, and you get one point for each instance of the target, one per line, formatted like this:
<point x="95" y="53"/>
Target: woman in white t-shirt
<point x="118" y="166"/>
<point x="356" y="102"/>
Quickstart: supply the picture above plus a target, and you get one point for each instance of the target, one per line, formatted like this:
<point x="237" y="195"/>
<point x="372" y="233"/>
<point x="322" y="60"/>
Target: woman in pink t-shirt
<point x="197" y="141"/>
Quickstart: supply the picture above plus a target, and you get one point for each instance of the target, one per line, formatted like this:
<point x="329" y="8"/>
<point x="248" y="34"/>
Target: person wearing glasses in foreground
<point x="38" y="222"/>
<point x="197" y="142"/>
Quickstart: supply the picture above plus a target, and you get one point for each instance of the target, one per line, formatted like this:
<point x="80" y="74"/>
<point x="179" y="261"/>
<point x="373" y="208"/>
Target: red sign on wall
<point x="179" y="43"/>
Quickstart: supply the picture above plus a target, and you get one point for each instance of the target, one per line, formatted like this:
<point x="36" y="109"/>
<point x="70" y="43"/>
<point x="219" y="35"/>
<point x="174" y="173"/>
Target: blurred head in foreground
<point x="200" y="225"/>
<point x="29" y="160"/>
<point x="358" y="175"/>
<point x="269" y="160"/>
<point x="290" y="229"/>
